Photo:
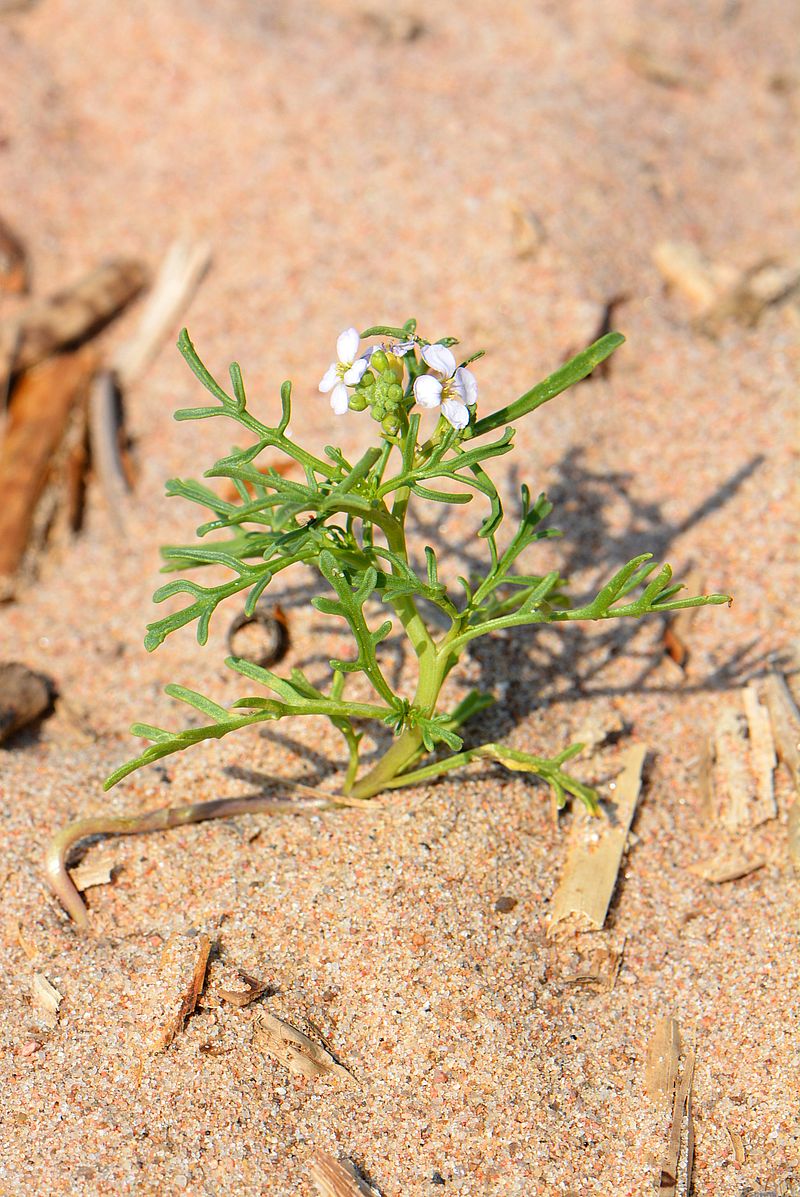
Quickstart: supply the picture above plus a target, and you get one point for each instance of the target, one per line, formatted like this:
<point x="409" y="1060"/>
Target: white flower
<point x="455" y="388"/>
<point x="347" y="372"/>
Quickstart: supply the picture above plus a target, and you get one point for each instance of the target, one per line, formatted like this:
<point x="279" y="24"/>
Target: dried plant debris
<point x="662" y="1060"/>
<point x="653" y="65"/>
<point x="67" y="318"/>
<point x="46" y="999"/>
<point x="785" y="721"/>
<point x="13" y="262"/>
<point x="584" y="892"/>
<point x="743" y="762"/>
<point x="730" y="863"/>
<point x="184" y="960"/>
<point x="227" y="983"/>
<point x="527" y="232"/>
<point x="716" y="292"/>
<point x="669" y="1072"/>
<point x="24" y="697"/>
<point x="46" y="417"/>
<point x="737" y="1143"/>
<point x="97" y="871"/>
<point x="182" y="271"/>
<point x="793" y="834"/>
<point x="295" y="1050"/>
<point x="596" y="968"/>
<point x="338" y="1178"/>
<point x="262" y="638"/>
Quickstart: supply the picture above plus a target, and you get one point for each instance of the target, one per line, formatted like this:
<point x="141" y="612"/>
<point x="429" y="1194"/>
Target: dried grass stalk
<point x="590" y="874"/>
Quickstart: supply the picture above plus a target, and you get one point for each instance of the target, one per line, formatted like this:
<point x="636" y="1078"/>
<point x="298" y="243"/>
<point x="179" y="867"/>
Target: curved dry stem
<point x="162" y="819"/>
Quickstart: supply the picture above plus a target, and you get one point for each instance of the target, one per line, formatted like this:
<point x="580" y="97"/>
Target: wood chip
<point x="785" y="721"/>
<point x="730" y="863"/>
<point x="590" y="874"/>
<point x="689" y="274"/>
<point x="79" y="311"/>
<point x="24" y="697"/>
<point x="663" y="1060"/>
<point x="228" y="983"/>
<point x="182" y="972"/>
<point x="181" y="273"/>
<point x="762" y="754"/>
<point x="13" y="262"/>
<point x="46" y="999"/>
<point x="295" y="1050"/>
<point x="38" y="428"/>
<point x="98" y="871"/>
<point x="338" y="1178"/>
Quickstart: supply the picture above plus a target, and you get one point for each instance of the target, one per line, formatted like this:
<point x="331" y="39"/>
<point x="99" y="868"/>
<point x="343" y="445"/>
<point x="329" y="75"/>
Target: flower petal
<point x="329" y="379"/>
<point x="456" y="413"/>
<point x="427" y="391"/>
<point x="347" y="345"/>
<point x="440" y="359"/>
<point x="401" y="349"/>
<point x="356" y="371"/>
<point x="340" y="401"/>
<point x="467" y="384"/>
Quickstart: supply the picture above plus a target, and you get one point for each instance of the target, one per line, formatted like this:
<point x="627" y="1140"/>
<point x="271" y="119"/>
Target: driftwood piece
<point x="24" y="697"/>
<point x="39" y="422"/>
<point x="182" y="972"/>
<point x="744" y="758"/>
<point x="295" y="1050"/>
<point x="68" y="317"/>
<point x="590" y="874"/>
<point x="13" y="262"/>
<point x="338" y="1178"/>
<point x="182" y="271"/>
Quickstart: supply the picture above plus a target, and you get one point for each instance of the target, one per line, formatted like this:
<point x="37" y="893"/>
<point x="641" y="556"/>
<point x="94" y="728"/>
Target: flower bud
<point x="390" y="424"/>
<point x="357" y="401"/>
<point x="379" y="361"/>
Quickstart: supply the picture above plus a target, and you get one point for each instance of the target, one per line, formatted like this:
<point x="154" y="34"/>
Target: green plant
<point x="348" y="521"/>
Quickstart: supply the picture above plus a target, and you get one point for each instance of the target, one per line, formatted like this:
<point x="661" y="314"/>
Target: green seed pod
<point x="357" y="401"/>
<point x="390" y="424"/>
<point x="379" y="361"/>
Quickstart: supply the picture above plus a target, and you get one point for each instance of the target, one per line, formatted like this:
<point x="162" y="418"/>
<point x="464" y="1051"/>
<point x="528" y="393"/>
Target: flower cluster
<point x="377" y="379"/>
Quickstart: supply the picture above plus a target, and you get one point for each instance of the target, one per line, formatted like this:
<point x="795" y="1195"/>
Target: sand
<point x="351" y="165"/>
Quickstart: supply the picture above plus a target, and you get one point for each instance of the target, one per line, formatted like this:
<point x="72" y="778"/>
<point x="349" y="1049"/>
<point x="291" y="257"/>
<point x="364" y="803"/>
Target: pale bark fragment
<point x="785" y="720"/>
<point x="182" y="972"/>
<point x="663" y="1059"/>
<point x="762" y="756"/>
<point x="587" y="883"/>
<point x="733" y="784"/>
<point x="295" y="1050"/>
<point x="46" y="999"/>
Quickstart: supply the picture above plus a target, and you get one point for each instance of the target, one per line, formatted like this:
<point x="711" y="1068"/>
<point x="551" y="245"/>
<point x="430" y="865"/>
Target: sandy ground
<point x="351" y="166"/>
